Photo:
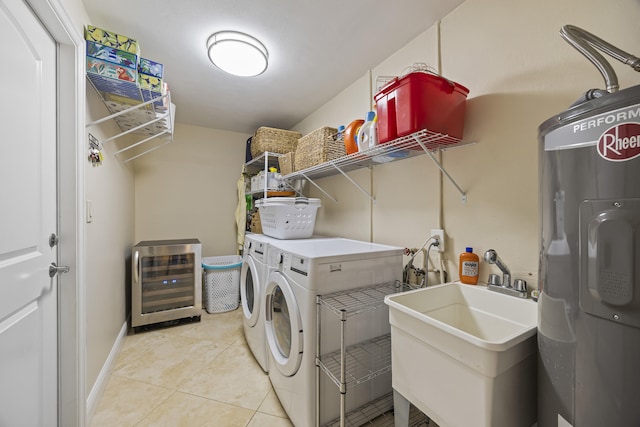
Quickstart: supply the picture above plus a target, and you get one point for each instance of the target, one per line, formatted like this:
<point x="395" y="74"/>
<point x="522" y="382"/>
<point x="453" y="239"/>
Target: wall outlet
<point x="440" y="233"/>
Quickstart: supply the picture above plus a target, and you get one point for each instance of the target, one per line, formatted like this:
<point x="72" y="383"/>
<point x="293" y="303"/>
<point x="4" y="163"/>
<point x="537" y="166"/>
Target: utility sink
<point x="464" y="355"/>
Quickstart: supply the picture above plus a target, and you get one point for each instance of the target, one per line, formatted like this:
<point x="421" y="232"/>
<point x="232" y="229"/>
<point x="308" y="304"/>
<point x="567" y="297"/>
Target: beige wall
<point x="350" y="216"/>
<point x="109" y="238"/>
<point x="187" y="189"/>
<point x="519" y="72"/>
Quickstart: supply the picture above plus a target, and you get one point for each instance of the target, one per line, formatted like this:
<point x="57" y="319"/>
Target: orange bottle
<point x="469" y="264"/>
<point x="350" y="136"/>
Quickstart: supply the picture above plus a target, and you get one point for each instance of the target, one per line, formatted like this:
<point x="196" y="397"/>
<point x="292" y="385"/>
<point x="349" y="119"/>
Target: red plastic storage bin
<point x="420" y="101"/>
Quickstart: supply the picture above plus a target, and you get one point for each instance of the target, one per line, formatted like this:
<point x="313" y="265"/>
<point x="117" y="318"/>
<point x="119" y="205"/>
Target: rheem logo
<point x="620" y="143"/>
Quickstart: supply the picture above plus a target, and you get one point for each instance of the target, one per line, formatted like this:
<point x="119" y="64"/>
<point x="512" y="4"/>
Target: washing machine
<point x="301" y="270"/>
<point x="253" y="279"/>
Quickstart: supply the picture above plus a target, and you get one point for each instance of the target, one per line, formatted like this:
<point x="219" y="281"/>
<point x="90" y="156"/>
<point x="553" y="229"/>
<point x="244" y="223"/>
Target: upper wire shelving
<point x="142" y="118"/>
<point x="416" y="144"/>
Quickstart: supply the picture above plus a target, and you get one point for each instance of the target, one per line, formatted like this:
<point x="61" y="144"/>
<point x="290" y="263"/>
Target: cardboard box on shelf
<point x="152" y="87"/>
<point x="116" y="87"/>
<point x="111" y="39"/>
<point x="160" y="104"/>
<point x="110" y="70"/>
<point x="151" y="83"/>
<point x="150" y="68"/>
<point x="112" y="54"/>
<point x="110" y="97"/>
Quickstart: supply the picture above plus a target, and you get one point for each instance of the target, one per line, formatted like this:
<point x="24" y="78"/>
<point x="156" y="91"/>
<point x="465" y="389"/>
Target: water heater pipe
<point x="585" y="42"/>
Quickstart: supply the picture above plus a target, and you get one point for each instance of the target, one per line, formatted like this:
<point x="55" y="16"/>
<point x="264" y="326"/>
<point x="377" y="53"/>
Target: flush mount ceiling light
<point x="237" y="53"/>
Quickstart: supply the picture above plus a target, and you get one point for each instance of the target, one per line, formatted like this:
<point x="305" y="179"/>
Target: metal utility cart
<point x="355" y="364"/>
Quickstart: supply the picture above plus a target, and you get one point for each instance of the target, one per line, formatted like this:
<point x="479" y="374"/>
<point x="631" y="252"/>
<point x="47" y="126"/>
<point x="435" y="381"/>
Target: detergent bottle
<point x="373" y="132"/>
<point x="469" y="263"/>
<point x="340" y="134"/>
<point x="367" y="135"/>
<point x="351" y="136"/>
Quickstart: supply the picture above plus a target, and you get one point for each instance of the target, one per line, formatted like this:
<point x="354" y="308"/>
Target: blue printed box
<point x="159" y="104"/>
<point x="153" y="87"/>
<point x="108" y="69"/>
<point x="111" y="54"/>
<point x="116" y="87"/>
<point x="149" y="82"/>
<point x="150" y="68"/>
<point x="111" y="39"/>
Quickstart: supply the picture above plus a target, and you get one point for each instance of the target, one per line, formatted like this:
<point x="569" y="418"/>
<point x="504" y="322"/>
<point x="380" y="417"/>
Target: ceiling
<point x="316" y="49"/>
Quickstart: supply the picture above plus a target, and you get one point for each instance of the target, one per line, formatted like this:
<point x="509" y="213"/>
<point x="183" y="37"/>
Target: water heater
<point x="589" y="306"/>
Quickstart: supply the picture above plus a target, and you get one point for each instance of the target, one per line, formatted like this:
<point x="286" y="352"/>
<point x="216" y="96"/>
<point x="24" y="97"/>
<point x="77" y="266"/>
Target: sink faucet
<point x="520" y="286"/>
<point x="492" y="257"/>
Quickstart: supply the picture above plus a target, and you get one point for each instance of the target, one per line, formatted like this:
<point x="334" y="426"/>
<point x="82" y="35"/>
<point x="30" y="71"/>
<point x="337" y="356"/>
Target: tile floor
<point x="193" y="375"/>
<point x="197" y="374"/>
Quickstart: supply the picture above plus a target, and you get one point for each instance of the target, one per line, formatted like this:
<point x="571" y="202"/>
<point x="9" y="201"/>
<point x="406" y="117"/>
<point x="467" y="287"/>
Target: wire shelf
<point x="140" y="117"/>
<point x="363" y="361"/>
<point x="379" y="413"/>
<point x="398" y="149"/>
<point x="262" y="162"/>
<point x="358" y="363"/>
<point x="356" y="301"/>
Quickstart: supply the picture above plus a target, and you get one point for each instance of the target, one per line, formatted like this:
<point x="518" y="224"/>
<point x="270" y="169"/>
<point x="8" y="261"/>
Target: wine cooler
<point x="166" y="281"/>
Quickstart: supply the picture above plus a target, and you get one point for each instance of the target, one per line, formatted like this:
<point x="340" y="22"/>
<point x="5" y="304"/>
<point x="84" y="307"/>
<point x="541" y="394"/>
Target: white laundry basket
<point x="222" y="282"/>
<point x="288" y="217"/>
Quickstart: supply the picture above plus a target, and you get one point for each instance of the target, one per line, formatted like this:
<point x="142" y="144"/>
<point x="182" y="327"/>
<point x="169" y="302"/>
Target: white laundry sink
<point x="465" y="355"/>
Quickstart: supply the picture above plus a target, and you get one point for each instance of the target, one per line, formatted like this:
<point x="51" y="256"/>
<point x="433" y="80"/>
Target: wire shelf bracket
<point x="362" y="190"/>
<point x="312" y="182"/>
<point x="463" y="194"/>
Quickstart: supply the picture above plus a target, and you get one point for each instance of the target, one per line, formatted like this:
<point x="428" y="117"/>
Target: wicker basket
<point x="318" y="147"/>
<point x="274" y="141"/>
<point x="287" y="163"/>
<point x="256" y="225"/>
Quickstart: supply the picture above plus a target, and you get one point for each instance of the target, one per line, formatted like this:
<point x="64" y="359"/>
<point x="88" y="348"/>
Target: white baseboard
<point x="101" y="382"/>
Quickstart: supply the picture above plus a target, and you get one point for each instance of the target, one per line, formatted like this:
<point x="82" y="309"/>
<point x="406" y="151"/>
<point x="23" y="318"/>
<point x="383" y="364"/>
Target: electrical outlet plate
<point x="440" y="233"/>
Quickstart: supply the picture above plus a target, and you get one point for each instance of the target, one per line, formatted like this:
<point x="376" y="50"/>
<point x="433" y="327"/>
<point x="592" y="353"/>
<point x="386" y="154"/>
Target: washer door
<point x="283" y="325"/>
<point x="250" y="290"/>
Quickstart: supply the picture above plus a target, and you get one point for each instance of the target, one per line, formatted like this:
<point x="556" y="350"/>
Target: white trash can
<point x="221" y="282"/>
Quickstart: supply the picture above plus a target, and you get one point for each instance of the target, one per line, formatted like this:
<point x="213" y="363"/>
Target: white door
<point x="28" y="298"/>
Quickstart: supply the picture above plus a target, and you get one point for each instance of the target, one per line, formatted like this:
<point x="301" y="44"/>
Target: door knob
<point x="55" y="269"/>
<point x="53" y="240"/>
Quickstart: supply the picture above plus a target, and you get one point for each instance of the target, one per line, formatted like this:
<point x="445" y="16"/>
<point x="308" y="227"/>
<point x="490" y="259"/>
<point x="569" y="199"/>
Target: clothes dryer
<point x="301" y="271"/>
<point x="253" y="279"/>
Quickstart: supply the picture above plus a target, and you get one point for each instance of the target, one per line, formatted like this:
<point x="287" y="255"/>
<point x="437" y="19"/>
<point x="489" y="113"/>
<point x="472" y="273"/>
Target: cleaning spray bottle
<point x="469" y="264"/>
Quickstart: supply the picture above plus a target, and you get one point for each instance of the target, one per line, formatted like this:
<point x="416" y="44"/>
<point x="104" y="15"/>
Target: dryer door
<point x="283" y="325"/>
<point x="250" y="288"/>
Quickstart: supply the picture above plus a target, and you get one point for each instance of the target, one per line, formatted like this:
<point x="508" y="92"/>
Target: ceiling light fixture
<point x="237" y="53"/>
